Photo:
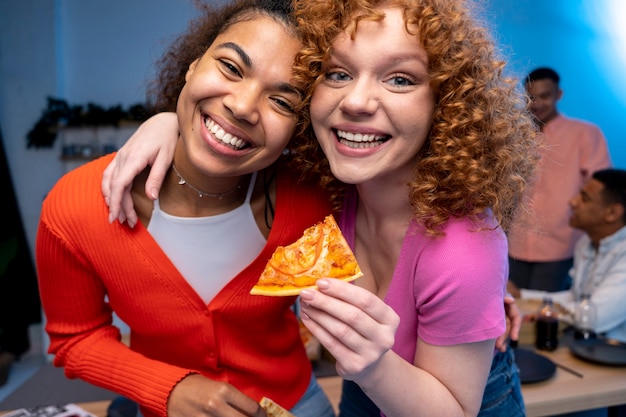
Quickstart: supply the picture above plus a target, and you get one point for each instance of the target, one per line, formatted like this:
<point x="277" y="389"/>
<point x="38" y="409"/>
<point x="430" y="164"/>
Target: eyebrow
<point x="282" y="87"/>
<point x="242" y="54"/>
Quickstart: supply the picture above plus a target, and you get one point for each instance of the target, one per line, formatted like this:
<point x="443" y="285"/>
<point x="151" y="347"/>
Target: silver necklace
<point x="219" y="196"/>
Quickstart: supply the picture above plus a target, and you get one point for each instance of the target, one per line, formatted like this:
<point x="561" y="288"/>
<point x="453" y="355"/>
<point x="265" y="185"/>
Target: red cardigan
<point x="88" y="268"/>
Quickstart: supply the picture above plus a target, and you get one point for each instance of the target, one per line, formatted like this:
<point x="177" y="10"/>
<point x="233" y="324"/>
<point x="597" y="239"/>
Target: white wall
<point x="99" y="51"/>
<point x="27" y="74"/>
<point x="585" y="42"/>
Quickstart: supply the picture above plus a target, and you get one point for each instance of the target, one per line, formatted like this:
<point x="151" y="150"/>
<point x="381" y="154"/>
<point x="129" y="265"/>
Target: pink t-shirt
<point x="447" y="290"/>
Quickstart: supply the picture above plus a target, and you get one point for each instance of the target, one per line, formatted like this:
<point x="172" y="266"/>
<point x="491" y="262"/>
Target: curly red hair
<point x="481" y="152"/>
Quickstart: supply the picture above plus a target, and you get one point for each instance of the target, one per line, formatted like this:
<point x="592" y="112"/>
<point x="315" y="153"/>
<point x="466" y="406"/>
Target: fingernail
<point x="322" y="283"/>
<point x="306" y="295"/>
<point x="106" y="201"/>
<point x="111" y="218"/>
<point x="154" y="194"/>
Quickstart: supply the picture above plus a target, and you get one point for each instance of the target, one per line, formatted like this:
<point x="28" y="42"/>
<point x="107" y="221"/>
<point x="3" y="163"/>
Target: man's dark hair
<point x="614" y="181"/>
<point x="542" y="74"/>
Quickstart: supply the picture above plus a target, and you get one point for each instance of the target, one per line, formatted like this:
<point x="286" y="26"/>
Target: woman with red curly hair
<point x="427" y="148"/>
<point x="430" y="148"/>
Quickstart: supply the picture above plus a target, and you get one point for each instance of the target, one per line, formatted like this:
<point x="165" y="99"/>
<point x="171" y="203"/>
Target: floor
<point x="26" y="367"/>
<point x="34" y="359"/>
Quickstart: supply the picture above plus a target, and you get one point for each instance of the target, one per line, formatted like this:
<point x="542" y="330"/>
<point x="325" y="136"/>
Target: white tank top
<point x="209" y="251"/>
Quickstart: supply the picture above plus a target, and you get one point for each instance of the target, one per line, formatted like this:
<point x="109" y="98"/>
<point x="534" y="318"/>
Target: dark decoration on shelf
<point x="60" y="113"/>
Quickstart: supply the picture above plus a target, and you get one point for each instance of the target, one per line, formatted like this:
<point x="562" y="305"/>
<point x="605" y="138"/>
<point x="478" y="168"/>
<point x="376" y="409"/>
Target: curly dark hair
<point x="481" y="152"/>
<point x="212" y="21"/>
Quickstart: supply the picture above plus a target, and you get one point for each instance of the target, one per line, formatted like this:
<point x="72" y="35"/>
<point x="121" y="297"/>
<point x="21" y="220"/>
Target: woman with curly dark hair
<point x="426" y="147"/>
<point x="199" y="343"/>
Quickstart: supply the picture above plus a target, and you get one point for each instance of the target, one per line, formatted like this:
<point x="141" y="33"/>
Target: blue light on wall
<point x="585" y="42"/>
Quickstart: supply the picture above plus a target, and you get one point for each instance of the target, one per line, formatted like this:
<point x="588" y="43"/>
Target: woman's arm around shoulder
<point x="153" y="145"/>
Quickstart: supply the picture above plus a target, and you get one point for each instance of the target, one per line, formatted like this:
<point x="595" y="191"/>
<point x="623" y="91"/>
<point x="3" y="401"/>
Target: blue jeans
<point x="503" y="393"/>
<point x="502" y="397"/>
<point x="314" y="402"/>
<point x="354" y="402"/>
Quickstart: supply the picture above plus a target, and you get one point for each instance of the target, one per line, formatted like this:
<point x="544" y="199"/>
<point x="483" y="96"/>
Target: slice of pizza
<point x="272" y="409"/>
<point x="322" y="251"/>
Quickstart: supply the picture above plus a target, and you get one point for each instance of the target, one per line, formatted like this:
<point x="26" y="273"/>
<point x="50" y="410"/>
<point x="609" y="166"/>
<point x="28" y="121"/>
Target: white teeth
<point x="219" y="134"/>
<point x="359" y="140"/>
<point x="222" y="136"/>
<point x="359" y="137"/>
<point x="360" y="145"/>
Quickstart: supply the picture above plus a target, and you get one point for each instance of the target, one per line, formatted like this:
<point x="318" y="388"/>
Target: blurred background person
<point x="541" y="244"/>
<point x="598" y="210"/>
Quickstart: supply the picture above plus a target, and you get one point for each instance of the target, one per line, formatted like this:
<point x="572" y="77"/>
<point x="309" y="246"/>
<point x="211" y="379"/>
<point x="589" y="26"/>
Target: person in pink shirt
<point x="541" y="244"/>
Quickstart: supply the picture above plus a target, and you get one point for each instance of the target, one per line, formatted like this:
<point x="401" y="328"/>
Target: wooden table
<point x="600" y="386"/>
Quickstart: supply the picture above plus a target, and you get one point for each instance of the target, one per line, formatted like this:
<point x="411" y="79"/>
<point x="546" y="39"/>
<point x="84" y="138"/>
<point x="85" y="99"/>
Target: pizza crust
<point x="287" y="290"/>
<point x="274" y="410"/>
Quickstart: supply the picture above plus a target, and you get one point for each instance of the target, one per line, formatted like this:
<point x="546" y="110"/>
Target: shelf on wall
<point x="85" y="143"/>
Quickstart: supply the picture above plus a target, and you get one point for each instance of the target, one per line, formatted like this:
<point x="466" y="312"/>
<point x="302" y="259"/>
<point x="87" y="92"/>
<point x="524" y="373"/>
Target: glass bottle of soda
<point x="547" y="326"/>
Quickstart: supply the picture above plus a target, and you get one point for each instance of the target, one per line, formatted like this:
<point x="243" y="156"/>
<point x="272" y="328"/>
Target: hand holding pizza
<point x="356" y="326"/>
<point x="197" y="395"/>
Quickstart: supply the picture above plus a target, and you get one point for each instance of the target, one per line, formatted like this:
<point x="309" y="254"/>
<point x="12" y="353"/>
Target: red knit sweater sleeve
<point x="75" y="246"/>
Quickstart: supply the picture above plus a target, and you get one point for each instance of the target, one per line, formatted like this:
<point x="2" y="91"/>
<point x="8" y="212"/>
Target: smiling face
<point x="544" y="94"/>
<point x="373" y="110"/>
<point x="235" y="111"/>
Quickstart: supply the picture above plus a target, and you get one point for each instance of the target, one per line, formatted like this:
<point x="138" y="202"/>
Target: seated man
<point x="599" y="210"/>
